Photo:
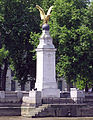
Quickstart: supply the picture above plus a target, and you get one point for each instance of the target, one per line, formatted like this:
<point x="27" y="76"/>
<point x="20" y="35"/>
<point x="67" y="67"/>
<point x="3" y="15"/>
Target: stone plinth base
<point x="50" y="92"/>
<point x="77" y="95"/>
<point x="10" y="96"/>
<point x="33" y="100"/>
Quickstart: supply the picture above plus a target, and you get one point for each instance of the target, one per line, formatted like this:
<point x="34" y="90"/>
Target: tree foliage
<point x="70" y="26"/>
<point x="73" y="38"/>
<point x="19" y="22"/>
<point x="3" y="55"/>
<point x="3" y="67"/>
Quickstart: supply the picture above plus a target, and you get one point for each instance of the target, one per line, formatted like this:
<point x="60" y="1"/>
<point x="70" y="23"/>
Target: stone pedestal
<point x="2" y="96"/>
<point x="33" y="100"/>
<point x="46" y="76"/>
<point x="77" y="95"/>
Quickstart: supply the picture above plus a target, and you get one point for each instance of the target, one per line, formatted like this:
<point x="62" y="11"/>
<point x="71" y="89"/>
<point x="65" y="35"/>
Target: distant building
<point x="13" y="85"/>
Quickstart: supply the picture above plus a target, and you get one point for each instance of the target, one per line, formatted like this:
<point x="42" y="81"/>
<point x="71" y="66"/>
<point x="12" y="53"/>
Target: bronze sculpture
<point x="44" y="17"/>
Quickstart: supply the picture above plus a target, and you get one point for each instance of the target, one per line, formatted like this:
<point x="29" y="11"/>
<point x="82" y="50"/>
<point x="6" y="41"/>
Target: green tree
<point x="3" y="67"/>
<point x="73" y="40"/>
<point x="71" y="29"/>
<point x="34" y="36"/>
<point x="19" y="21"/>
<point x="3" y="52"/>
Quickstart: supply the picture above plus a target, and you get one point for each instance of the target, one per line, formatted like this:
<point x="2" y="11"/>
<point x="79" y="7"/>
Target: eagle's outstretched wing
<point x="49" y="10"/>
<point x="42" y="13"/>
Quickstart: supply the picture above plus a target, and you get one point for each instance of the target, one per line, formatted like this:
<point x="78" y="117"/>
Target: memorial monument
<point x="45" y="74"/>
<point x="45" y="86"/>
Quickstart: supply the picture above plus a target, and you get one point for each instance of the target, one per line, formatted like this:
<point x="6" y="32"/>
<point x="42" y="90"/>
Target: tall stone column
<point x="8" y="80"/>
<point x="45" y="74"/>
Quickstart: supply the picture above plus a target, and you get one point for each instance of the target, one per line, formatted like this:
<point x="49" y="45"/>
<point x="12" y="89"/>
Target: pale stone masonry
<point x="45" y="75"/>
<point x="77" y="95"/>
<point x="9" y="78"/>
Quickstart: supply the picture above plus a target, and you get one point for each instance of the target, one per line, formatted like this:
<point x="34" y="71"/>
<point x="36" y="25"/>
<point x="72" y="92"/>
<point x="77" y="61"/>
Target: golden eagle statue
<point x="44" y="17"/>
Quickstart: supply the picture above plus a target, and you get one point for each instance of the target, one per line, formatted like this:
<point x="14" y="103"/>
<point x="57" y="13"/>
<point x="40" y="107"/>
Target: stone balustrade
<point x="12" y="96"/>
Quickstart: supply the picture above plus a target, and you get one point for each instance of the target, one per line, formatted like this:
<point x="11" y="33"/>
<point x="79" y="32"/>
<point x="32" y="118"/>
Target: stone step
<point x="10" y="95"/>
<point x="55" y="110"/>
<point x="33" y="112"/>
<point x="10" y="111"/>
<point x="88" y="111"/>
<point x="62" y="111"/>
<point x="40" y="112"/>
<point x="10" y="104"/>
<point x="57" y="100"/>
<point x="48" y="110"/>
<point x="88" y="100"/>
<point x="88" y="97"/>
<point x="10" y="100"/>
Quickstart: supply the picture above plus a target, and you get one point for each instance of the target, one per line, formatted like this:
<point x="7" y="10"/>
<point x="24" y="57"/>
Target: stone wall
<point x="63" y="110"/>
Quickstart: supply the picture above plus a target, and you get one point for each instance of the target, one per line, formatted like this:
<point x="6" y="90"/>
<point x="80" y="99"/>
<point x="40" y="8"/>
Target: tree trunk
<point x="4" y="74"/>
<point x="92" y="89"/>
<point x="0" y="79"/>
<point x="22" y="87"/>
<point x="69" y="85"/>
<point x="86" y="88"/>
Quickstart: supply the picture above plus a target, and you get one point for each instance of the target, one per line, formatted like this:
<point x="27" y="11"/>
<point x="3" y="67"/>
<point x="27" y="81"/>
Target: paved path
<point x="51" y="118"/>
